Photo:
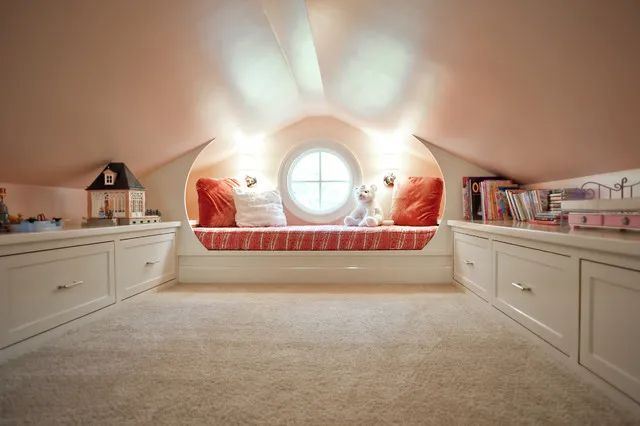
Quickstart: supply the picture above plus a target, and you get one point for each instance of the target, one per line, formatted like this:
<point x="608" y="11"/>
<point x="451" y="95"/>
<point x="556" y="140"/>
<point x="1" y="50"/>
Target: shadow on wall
<point x="263" y="155"/>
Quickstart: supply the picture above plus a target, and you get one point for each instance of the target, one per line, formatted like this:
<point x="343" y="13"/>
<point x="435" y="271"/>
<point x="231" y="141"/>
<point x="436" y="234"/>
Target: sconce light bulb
<point x="251" y="181"/>
<point x="389" y="179"/>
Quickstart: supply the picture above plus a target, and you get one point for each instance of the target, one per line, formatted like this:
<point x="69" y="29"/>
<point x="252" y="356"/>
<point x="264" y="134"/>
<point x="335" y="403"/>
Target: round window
<point x="319" y="181"/>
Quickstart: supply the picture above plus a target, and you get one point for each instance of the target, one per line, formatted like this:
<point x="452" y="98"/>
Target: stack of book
<point x="547" y="218"/>
<point x="495" y="205"/>
<point x="495" y="198"/>
<point x="472" y="197"/>
<point x="528" y="205"/>
<point x="555" y="199"/>
<point x="483" y="197"/>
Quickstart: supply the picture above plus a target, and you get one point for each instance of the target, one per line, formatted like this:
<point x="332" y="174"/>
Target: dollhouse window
<point x="108" y="179"/>
<point x="137" y="203"/>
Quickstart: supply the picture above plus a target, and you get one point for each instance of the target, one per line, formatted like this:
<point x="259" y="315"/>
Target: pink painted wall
<point x="533" y="90"/>
<point x="31" y="200"/>
<point x="222" y="159"/>
<point x="609" y="179"/>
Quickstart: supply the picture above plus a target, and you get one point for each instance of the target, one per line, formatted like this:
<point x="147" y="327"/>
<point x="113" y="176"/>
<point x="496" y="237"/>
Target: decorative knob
<point x="625" y="221"/>
<point x="583" y="219"/>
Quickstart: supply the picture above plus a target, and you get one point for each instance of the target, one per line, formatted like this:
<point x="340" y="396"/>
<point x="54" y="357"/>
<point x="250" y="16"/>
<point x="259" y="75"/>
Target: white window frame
<point x="285" y="180"/>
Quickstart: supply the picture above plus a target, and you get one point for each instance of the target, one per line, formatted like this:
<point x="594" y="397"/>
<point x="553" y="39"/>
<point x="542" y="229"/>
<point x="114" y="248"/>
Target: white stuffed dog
<point x="368" y="211"/>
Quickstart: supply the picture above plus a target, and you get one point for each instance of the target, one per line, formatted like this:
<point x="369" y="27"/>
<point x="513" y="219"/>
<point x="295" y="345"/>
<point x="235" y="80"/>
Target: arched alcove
<point x="375" y="155"/>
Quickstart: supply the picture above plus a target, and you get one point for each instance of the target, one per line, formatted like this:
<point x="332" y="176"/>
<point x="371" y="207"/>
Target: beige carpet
<point x="296" y="355"/>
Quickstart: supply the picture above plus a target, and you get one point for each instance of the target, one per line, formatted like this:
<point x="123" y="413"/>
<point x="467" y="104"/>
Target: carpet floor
<point x="299" y="355"/>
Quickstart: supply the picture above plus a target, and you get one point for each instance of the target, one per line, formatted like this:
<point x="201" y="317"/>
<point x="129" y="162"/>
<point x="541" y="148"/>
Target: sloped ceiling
<point x="534" y="90"/>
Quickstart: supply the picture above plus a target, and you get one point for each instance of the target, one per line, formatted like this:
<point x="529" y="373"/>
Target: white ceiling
<point x="535" y="90"/>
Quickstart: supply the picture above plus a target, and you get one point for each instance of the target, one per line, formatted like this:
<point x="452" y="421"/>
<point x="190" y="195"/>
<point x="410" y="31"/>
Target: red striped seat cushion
<point x="316" y="238"/>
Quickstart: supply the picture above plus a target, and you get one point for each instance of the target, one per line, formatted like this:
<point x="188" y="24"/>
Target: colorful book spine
<point x="489" y="190"/>
<point x="505" y="210"/>
<point x="466" y="198"/>
<point x="531" y="205"/>
<point x="473" y="209"/>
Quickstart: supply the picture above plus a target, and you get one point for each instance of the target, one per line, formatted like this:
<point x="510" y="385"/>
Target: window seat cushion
<point x="316" y="238"/>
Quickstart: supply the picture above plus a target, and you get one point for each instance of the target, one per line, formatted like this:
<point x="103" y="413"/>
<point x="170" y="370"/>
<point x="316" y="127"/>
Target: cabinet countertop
<point x="68" y="233"/>
<point x="608" y="240"/>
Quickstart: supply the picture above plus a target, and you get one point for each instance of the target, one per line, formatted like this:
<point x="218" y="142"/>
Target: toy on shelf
<point x="40" y="223"/>
<point x="4" y="211"/>
<point x="612" y="213"/>
<point x="116" y="197"/>
<point x="16" y="223"/>
<point x="611" y="220"/>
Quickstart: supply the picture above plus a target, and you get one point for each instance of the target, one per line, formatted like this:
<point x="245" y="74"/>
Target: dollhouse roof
<point x="124" y="178"/>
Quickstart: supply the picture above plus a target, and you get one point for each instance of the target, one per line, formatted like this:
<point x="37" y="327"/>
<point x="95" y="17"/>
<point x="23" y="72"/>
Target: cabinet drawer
<point x="586" y="219"/>
<point x="610" y="324"/>
<point x="472" y="263"/>
<point x="630" y="221"/>
<point x="145" y="262"/>
<point x="44" y="289"/>
<point x="537" y="289"/>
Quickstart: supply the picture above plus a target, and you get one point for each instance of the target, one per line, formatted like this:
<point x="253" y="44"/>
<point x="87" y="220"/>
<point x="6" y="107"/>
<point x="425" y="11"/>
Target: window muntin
<point x="319" y="181"/>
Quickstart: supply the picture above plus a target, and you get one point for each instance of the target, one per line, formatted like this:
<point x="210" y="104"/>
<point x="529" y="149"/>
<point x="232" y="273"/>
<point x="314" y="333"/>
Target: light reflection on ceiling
<point x="374" y="75"/>
<point x="242" y="40"/>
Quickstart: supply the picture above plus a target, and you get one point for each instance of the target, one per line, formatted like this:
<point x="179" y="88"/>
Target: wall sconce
<point x="251" y="181"/>
<point x="389" y="179"/>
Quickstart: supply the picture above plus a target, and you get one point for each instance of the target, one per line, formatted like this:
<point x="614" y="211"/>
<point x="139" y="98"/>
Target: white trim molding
<point x="315" y="268"/>
<point x="284" y="179"/>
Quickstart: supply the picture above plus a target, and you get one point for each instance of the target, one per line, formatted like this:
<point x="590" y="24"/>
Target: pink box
<point x="586" y="219"/>
<point x="620" y="220"/>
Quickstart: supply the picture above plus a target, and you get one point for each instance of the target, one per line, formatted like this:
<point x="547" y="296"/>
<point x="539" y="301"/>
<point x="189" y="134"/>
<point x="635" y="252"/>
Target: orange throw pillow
<point x="416" y="201"/>
<point x="215" y="202"/>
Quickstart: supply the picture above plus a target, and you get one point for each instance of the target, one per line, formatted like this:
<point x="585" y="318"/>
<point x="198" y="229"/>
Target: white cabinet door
<point x="538" y="289"/>
<point x="41" y="290"/>
<point x="144" y="263"/>
<point x="472" y="263"/>
<point x="610" y="324"/>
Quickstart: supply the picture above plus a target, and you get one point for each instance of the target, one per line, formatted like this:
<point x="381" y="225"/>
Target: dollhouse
<point x="116" y="197"/>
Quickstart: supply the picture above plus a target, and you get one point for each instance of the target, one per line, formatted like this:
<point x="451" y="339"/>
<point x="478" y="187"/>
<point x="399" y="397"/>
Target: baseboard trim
<point x="308" y="270"/>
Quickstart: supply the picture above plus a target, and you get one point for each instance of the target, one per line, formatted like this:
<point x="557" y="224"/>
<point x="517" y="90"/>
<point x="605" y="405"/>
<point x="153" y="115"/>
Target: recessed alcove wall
<point x="262" y="156"/>
<point x="166" y="190"/>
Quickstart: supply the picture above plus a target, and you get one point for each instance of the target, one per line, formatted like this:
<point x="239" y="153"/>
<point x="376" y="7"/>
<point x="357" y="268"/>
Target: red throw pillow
<point x="416" y="201"/>
<point x="215" y="202"/>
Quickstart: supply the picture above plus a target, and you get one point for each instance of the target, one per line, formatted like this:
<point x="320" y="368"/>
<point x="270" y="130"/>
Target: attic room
<point x="319" y="212"/>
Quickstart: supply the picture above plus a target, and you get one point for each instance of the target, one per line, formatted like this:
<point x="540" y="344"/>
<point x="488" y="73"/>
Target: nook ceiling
<point x="534" y="90"/>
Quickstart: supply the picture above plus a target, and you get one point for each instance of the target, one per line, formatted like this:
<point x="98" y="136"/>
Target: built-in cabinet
<point x="535" y="288"/>
<point x="43" y="289"/>
<point x="49" y="279"/>
<point x="610" y="324"/>
<point x="472" y="263"/>
<point x="145" y="262"/>
<point x="577" y="290"/>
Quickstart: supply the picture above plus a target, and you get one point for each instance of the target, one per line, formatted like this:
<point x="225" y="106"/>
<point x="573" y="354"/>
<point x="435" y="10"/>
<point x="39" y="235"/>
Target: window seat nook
<point x="316" y="238"/>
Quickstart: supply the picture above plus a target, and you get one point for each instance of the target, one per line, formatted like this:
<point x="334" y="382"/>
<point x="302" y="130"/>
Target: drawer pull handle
<point x="73" y="284"/>
<point x="521" y="287"/>
<point x="152" y="262"/>
<point x="469" y="262"/>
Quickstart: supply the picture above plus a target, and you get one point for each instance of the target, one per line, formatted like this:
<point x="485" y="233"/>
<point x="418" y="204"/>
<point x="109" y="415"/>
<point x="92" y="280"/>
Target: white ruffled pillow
<point x="258" y="208"/>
